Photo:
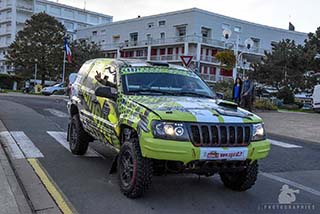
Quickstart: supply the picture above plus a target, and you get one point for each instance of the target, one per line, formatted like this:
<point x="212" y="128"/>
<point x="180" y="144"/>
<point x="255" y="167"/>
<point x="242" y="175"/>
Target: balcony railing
<point x="168" y="57"/>
<point x="176" y="40"/>
<point x="24" y="7"/>
<point x="209" y="59"/>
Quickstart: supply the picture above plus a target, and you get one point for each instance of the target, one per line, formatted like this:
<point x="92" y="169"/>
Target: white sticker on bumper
<point x="232" y="153"/>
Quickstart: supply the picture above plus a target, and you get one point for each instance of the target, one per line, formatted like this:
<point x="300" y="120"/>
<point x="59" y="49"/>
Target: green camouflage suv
<point x="163" y="119"/>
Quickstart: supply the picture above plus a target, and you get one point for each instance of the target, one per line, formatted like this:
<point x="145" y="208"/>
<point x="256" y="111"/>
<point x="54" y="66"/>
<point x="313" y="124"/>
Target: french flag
<point x="67" y="50"/>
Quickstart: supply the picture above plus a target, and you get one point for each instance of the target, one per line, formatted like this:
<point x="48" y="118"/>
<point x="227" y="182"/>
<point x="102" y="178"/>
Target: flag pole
<point x="63" y="65"/>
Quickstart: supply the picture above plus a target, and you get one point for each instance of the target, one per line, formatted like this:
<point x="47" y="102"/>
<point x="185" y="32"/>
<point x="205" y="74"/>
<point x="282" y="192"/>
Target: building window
<point x="150" y="24"/>
<point x="170" y="50"/>
<point x="237" y="29"/>
<point x="41" y="7"/>
<point x="68" y="13"/>
<point x="139" y="53"/>
<point x="162" y="51"/>
<point x="181" y="30"/>
<point x="162" y="23"/>
<point x="81" y="17"/>
<point x="162" y="35"/>
<point x="256" y="42"/>
<point x="116" y="38"/>
<point x="94" y="33"/>
<point x="206" y="34"/>
<point x="225" y="26"/>
<point x="55" y="10"/>
<point x="103" y="32"/>
<point x="134" y="38"/>
<point x="69" y="25"/>
<point x="94" y="19"/>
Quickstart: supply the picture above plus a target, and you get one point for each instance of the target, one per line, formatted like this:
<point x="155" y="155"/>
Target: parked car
<point x="53" y="89"/>
<point x="72" y="79"/>
<point x="316" y="98"/>
<point x="161" y="119"/>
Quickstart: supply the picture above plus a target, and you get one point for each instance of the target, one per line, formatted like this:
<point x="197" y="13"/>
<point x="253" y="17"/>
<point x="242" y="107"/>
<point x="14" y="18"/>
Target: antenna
<point x="85" y="4"/>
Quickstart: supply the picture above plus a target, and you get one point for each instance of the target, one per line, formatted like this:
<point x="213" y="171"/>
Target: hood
<point x="194" y="109"/>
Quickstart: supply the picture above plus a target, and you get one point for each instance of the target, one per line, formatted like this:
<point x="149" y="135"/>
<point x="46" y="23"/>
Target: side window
<point x="83" y="72"/>
<point x="91" y="81"/>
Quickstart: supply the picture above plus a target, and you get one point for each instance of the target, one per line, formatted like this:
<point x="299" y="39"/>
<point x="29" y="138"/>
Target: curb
<point x="35" y="193"/>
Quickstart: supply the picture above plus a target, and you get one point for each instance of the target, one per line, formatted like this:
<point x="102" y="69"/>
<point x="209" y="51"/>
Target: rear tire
<point x="243" y="180"/>
<point x="79" y="139"/>
<point x="134" y="171"/>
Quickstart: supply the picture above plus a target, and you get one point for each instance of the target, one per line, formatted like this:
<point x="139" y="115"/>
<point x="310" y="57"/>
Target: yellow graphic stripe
<point x="56" y="195"/>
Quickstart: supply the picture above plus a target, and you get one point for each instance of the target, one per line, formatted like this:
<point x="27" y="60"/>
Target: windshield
<point x="174" y="84"/>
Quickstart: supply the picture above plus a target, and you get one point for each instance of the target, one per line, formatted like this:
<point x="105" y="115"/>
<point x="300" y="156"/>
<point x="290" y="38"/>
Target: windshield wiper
<point x="151" y="91"/>
<point x="193" y="93"/>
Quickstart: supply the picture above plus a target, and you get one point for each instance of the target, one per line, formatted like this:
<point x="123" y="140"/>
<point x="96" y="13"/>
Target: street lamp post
<point x="248" y="43"/>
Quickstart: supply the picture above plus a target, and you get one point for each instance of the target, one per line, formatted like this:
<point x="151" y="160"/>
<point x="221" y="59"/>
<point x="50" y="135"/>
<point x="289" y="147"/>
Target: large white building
<point x="13" y="14"/>
<point x="194" y="32"/>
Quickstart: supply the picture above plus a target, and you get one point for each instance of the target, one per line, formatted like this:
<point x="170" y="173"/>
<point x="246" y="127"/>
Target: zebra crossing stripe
<point x="56" y="112"/>
<point x="26" y="145"/>
<point x="10" y="143"/>
<point x="61" y="137"/>
<point x="284" y="145"/>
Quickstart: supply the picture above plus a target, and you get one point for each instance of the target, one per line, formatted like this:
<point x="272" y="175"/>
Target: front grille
<point x="216" y="135"/>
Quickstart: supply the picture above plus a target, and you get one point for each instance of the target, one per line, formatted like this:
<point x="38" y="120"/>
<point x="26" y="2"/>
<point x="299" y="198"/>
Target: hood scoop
<point x="231" y="109"/>
<point x="227" y="104"/>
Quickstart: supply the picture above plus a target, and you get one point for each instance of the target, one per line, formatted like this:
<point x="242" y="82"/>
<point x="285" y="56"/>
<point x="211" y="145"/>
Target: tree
<point x="227" y="59"/>
<point x="284" y="67"/>
<point x="40" y="42"/>
<point x="81" y="52"/>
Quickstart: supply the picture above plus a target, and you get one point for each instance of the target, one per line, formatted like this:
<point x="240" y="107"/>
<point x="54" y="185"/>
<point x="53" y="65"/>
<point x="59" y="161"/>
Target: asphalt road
<point x="89" y="187"/>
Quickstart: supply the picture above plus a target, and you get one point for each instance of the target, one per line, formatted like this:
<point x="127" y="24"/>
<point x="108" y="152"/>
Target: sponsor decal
<point x="232" y="153"/>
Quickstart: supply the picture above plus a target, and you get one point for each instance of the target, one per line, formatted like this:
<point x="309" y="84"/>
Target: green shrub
<point x="225" y="87"/>
<point x="290" y="106"/>
<point x="286" y="95"/>
<point x="264" y="105"/>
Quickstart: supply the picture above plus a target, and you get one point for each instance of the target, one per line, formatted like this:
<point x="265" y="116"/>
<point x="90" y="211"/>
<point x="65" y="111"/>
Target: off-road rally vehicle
<point x="162" y="119"/>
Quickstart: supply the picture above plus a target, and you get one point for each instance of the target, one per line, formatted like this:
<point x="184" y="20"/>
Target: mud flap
<point x="113" y="168"/>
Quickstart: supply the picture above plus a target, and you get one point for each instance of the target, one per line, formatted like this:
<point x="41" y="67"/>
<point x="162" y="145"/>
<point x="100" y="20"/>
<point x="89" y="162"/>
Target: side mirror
<point x="106" y="92"/>
<point x="220" y="95"/>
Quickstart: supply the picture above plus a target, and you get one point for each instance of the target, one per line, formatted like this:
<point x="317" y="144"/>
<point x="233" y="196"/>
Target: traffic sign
<point x="186" y="60"/>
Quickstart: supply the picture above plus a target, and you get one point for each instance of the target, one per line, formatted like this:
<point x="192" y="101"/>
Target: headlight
<point x="258" y="132"/>
<point x="170" y="130"/>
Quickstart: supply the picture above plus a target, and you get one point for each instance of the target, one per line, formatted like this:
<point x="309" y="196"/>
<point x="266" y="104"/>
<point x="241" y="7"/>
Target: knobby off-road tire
<point x="79" y="139"/>
<point x="243" y="180"/>
<point x="134" y="171"/>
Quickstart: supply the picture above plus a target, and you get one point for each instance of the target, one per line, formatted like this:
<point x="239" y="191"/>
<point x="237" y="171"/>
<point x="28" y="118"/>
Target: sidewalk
<point x="302" y="126"/>
<point x="12" y="199"/>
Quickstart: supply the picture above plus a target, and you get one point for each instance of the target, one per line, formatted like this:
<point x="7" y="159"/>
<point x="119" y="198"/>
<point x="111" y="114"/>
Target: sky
<point x="304" y="14"/>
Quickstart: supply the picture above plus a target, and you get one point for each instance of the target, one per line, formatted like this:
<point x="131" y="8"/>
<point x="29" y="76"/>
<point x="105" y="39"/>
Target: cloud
<point x="304" y="14"/>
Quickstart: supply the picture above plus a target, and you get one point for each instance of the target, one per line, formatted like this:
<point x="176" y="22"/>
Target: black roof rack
<point x="157" y="63"/>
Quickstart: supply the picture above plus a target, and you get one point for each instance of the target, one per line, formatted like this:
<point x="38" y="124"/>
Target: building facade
<point x="193" y="32"/>
<point x="14" y="13"/>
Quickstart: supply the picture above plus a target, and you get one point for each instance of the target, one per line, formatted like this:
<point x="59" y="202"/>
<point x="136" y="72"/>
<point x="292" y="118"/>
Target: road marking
<point x="284" y="145"/>
<point x="26" y="145"/>
<point x="291" y="183"/>
<point x="61" y="137"/>
<point x="52" y="189"/>
<point x="10" y="143"/>
<point x="56" y="112"/>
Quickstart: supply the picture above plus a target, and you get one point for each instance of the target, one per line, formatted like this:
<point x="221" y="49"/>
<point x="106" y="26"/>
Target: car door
<point x="106" y="107"/>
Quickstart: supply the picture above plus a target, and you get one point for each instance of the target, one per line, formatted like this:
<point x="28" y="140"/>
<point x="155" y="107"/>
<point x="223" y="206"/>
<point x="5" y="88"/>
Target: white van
<point x="316" y="98"/>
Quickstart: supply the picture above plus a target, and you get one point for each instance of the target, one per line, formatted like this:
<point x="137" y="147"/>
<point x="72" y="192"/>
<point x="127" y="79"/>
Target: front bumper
<point x="185" y="151"/>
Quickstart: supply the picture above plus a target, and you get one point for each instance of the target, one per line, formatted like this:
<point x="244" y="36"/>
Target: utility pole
<point x="64" y="65"/>
<point x="35" y="73"/>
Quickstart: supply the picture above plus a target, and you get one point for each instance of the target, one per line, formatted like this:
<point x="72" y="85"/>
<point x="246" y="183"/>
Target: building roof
<point x="198" y="11"/>
<point x="74" y="8"/>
